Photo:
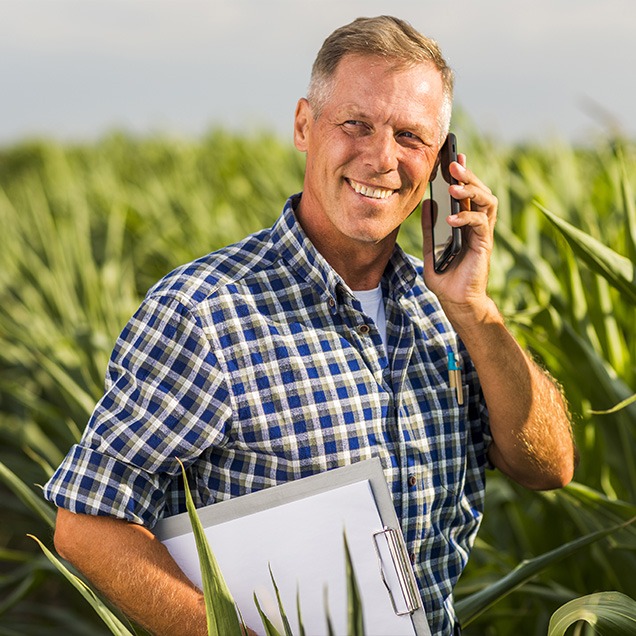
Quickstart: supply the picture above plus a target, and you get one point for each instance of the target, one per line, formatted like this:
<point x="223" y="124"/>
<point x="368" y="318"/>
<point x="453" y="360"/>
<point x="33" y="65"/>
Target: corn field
<point x="86" y="229"/>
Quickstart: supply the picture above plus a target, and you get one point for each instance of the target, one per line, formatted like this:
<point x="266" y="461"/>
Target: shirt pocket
<point x="447" y="439"/>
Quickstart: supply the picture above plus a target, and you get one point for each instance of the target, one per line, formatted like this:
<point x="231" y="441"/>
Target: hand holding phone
<point x="447" y="240"/>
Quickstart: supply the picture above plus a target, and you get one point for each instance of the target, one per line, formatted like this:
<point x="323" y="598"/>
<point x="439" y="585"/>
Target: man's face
<point x="370" y="151"/>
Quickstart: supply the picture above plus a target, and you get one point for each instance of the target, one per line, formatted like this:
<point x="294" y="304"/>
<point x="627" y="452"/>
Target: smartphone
<point x="447" y="240"/>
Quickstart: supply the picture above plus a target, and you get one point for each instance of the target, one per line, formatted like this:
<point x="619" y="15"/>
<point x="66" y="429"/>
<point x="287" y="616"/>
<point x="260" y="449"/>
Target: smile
<point x="368" y="191"/>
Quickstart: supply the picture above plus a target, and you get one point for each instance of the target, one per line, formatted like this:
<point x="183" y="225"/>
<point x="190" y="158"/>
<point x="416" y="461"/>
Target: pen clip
<point x="455" y="377"/>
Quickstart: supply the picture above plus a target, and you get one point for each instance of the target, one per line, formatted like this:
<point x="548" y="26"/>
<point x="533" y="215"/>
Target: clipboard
<point x="297" y="529"/>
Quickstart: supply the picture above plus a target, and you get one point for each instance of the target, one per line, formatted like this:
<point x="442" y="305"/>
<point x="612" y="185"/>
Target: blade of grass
<point x="619" y="271"/>
<point x="621" y="405"/>
<point x="110" y="619"/>
<point x="27" y="496"/>
<point x="281" y="609"/>
<point x="66" y="383"/>
<point x="219" y="605"/>
<point x="330" y="629"/>
<point x="19" y="589"/>
<point x="610" y="613"/>
<point x="301" y="627"/>
<point x="270" y="630"/>
<point x="354" y="600"/>
<point x="469" y="608"/>
<point x="630" y="208"/>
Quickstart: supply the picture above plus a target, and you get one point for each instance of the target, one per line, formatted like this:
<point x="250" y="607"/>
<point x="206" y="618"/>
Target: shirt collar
<point x="302" y="256"/>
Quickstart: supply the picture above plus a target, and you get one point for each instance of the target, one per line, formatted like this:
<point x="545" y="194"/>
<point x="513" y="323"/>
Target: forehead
<point x="372" y="82"/>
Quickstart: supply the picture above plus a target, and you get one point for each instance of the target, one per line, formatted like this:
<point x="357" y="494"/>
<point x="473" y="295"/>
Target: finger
<point x="478" y="223"/>
<point x="465" y="203"/>
<point x="469" y="218"/>
<point x="476" y="197"/>
<point x="464" y="175"/>
<point x="471" y="191"/>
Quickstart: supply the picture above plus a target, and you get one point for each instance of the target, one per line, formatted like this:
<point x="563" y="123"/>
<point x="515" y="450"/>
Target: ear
<point x="302" y="124"/>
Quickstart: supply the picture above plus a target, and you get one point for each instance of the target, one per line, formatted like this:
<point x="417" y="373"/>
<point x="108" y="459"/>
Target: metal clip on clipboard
<point x="403" y="571"/>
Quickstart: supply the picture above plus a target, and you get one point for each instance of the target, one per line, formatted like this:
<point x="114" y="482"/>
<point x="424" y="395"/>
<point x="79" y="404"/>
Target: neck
<point x="361" y="264"/>
<point x="360" y="271"/>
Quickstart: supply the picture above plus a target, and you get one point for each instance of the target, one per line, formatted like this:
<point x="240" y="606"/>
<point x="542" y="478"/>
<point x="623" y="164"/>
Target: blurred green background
<point x="85" y="229"/>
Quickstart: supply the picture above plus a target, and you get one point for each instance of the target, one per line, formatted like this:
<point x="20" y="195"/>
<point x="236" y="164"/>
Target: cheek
<point x="418" y="173"/>
<point x="342" y="152"/>
<point x="427" y="163"/>
<point x="328" y="159"/>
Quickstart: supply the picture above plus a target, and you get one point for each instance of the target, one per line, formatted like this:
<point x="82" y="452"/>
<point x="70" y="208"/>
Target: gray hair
<point x="383" y="36"/>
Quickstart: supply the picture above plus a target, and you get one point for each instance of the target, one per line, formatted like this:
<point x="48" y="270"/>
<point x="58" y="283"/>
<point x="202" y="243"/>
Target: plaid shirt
<point x="255" y="365"/>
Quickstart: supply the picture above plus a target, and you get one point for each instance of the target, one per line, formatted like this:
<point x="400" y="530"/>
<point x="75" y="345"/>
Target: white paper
<point x="303" y="542"/>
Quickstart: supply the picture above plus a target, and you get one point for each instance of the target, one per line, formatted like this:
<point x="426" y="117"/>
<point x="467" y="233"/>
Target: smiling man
<point x="371" y="147"/>
<point x="318" y="343"/>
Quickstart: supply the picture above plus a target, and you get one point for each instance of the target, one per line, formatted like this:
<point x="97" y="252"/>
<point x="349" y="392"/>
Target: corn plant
<point x="87" y="229"/>
<point x="563" y="275"/>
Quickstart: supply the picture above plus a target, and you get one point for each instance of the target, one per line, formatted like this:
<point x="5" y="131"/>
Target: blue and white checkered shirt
<point x="255" y="365"/>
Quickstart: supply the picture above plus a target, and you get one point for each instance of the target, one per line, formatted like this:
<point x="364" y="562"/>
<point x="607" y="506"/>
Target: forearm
<point x="134" y="570"/>
<point x="530" y="423"/>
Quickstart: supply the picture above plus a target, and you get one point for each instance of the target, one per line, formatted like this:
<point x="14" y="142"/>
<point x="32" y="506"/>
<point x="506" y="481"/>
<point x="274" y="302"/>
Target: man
<point x="317" y="343"/>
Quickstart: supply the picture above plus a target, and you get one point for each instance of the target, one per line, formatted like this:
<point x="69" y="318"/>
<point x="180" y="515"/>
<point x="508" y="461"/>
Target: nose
<point x="382" y="152"/>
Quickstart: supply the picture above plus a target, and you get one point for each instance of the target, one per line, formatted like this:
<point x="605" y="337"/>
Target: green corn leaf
<point x="26" y="495"/>
<point x="354" y="601"/>
<point x="619" y="271"/>
<point x="84" y="400"/>
<point x="609" y="613"/>
<point x="219" y="605"/>
<point x="281" y="609"/>
<point x="598" y="382"/>
<point x="301" y="627"/>
<point x="330" y="629"/>
<point x="270" y="630"/>
<point x="13" y="591"/>
<point x="620" y="406"/>
<point x="592" y="510"/>
<point x="110" y="619"/>
<point x="469" y="608"/>
<point x="15" y="556"/>
<point x="630" y="208"/>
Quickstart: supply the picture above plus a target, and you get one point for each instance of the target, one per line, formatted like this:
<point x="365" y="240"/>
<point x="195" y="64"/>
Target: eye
<point x="355" y="127"/>
<point x="409" y="138"/>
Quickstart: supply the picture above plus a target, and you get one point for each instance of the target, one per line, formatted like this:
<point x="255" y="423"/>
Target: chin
<point x="370" y="236"/>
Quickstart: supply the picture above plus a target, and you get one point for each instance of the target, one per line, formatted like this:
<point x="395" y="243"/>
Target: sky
<point x="78" y="69"/>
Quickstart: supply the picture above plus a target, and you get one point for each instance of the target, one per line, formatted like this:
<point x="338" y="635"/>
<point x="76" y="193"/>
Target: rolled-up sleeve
<point x="165" y="399"/>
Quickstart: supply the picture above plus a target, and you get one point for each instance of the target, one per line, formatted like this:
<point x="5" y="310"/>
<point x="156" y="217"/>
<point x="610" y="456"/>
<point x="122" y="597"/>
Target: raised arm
<point x="132" y="568"/>
<point x="529" y="420"/>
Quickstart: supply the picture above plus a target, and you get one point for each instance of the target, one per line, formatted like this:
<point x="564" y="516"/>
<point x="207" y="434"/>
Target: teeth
<point x="373" y="193"/>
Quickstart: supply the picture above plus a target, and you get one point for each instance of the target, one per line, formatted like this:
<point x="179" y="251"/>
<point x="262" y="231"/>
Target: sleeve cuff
<point x="89" y="482"/>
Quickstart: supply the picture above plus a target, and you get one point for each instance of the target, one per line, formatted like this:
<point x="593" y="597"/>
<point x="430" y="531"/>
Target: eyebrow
<point x="353" y="111"/>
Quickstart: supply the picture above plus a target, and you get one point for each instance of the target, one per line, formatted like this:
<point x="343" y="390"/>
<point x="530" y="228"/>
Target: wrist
<point x="471" y="317"/>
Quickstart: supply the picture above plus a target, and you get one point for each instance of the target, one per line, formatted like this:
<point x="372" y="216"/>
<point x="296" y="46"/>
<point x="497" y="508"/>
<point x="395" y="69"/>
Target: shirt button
<point x="412" y="480"/>
<point x="364" y="330"/>
<point x="331" y="302"/>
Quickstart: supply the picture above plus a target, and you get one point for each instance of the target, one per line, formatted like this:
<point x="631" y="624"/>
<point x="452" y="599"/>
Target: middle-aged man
<point x="318" y="343"/>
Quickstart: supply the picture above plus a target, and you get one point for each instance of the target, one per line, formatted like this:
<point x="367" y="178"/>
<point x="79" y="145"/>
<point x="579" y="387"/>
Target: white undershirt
<point x="372" y="301"/>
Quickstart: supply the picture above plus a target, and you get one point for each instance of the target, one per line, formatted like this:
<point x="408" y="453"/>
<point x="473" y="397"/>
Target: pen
<point x="455" y="377"/>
